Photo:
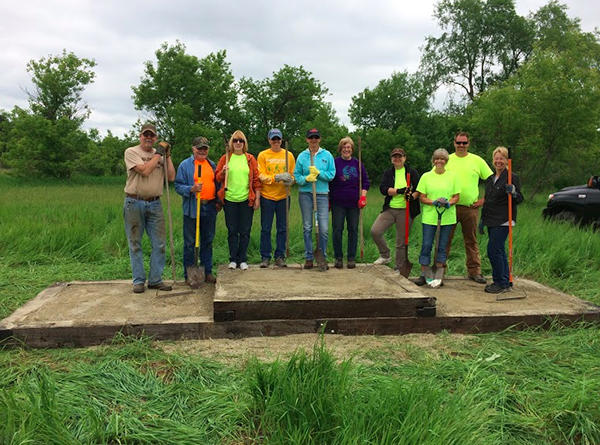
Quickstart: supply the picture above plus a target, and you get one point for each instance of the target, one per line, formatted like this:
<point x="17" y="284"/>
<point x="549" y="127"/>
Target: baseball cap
<point x="148" y="127"/>
<point x="398" y="151"/>
<point x="313" y="132"/>
<point x="275" y="132"/>
<point x="200" y="142"/>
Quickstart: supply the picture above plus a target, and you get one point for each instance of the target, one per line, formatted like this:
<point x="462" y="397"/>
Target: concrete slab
<point x="366" y="300"/>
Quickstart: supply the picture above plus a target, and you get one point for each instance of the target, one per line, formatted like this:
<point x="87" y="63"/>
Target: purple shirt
<point x="343" y="190"/>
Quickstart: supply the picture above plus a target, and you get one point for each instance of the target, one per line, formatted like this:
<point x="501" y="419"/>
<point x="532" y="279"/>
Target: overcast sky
<point x="348" y="45"/>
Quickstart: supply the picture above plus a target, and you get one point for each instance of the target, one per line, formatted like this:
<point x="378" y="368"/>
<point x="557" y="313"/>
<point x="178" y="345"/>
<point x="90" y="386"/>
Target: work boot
<point x="420" y="281"/>
<point x="264" y="263"/>
<point x="308" y="264"/>
<point x="210" y="278"/>
<point x="160" y="286"/>
<point x="382" y="260"/>
<point x="280" y="262"/>
<point x="496" y="289"/>
<point x="478" y="278"/>
<point x="351" y="263"/>
<point x="338" y="263"/>
<point x="139" y="288"/>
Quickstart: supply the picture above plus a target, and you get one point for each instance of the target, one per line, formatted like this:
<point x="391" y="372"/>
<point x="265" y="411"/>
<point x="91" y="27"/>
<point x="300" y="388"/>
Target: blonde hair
<point x="344" y="141"/>
<point x="440" y="153"/>
<point x="503" y="151"/>
<point x="237" y="134"/>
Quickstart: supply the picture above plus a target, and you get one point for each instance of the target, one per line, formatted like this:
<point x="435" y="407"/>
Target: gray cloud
<point x="348" y="45"/>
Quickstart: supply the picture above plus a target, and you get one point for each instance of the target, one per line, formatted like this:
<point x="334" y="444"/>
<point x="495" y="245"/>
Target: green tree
<point x="59" y="82"/>
<point x="289" y="100"/>
<point x="181" y="86"/>
<point x="482" y="42"/>
<point x="549" y="114"/>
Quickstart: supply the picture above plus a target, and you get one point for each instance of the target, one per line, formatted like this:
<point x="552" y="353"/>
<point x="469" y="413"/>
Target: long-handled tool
<point x="317" y="253"/>
<point x="406" y="267"/>
<point x="287" y="206"/>
<point x="167" y="156"/>
<point x="194" y="273"/>
<point x="226" y="163"/>
<point x="360" y="214"/>
<point x="434" y="275"/>
<point x="499" y="297"/>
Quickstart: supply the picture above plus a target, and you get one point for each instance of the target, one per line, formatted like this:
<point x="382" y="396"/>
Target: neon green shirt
<point x="238" y="179"/>
<point x="469" y="169"/>
<point x="436" y="186"/>
<point x="398" y="201"/>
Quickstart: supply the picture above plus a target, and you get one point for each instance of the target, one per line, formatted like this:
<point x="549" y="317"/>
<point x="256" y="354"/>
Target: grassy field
<point x="533" y="387"/>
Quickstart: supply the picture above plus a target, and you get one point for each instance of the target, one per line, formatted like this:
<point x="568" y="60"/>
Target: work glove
<point x="160" y="150"/>
<point x="314" y="170"/>
<point x="440" y="202"/>
<point x="362" y="202"/>
<point x="511" y="190"/>
<point x="286" y="178"/>
<point x="408" y="194"/>
<point x="401" y="191"/>
<point x="447" y="204"/>
<point x="166" y="146"/>
<point x="311" y="178"/>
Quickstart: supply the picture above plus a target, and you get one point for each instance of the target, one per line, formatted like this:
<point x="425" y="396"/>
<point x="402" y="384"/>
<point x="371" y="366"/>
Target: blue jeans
<point x="208" y="220"/>
<point x="238" y="219"/>
<point x="268" y="210"/>
<point x="351" y="216"/>
<point x="497" y="255"/>
<point x="428" y="237"/>
<point x="145" y="216"/>
<point x="306" y="208"/>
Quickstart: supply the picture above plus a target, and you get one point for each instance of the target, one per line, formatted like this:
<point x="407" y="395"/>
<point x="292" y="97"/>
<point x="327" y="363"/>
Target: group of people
<point x="241" y="184"/>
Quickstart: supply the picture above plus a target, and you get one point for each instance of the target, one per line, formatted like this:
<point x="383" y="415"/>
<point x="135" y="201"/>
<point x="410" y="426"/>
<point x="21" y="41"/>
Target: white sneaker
<point x="381" y="260"/>
<point x="243" y="266"/>
<point x="232" y="265"/>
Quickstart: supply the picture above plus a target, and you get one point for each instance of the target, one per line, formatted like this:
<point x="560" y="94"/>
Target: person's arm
<point x="182" y="181"/>
<point x="146" y="168"/>
<point x="328" y="173"/>
<point x="220" y="172"/>
<point x="299" y="175"/>
<point x="263" y="174"/>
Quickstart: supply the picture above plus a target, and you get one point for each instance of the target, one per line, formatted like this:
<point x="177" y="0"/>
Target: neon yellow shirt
<point x="398" y="201"/>
<point x="469" y="170"/>
<point x="438" y="186"/>
<point x="238" y="179"/>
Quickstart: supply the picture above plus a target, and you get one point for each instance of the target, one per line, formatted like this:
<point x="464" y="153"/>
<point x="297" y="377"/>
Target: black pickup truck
<point x="577" y="204"/>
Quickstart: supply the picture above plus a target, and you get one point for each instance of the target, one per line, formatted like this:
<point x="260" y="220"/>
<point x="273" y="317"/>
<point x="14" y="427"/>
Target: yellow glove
<point x="314" y="171"/>
<point x="311" y="178"/>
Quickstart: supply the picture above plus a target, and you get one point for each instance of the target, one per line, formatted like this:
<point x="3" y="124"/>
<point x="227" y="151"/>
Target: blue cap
<point x="275" y="132"/>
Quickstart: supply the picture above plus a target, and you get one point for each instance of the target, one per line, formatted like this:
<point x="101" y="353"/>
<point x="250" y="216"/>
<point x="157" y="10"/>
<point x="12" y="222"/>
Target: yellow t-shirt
<point x="238" y="179"/>
<point x="437" y="186"/>
<point x="469" y="170"/>
<point x="398" y="201"/>
<point x="271" y="163"/>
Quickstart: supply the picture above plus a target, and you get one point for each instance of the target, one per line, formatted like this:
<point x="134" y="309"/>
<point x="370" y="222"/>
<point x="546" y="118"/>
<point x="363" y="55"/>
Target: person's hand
<point x="311" y="178"/>
<point x="196" y="188"/>
<point x="166" y="147"/>
<point x="447" y="204"/>
<point x="480" y="228"/>
<point x="314" y="170"/>
<point x="408" y="194"/>
<point x="286" y="178"/>
<point x="160" y="149"/>
<point x="362" y="202"/>
<point x="401" y="191"/>
<point x="440" y="202"/>
<point x="511" y="189"/>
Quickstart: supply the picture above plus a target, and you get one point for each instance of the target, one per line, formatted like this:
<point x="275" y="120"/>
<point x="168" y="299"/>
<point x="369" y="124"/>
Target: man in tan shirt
<point x="142" y="209"/>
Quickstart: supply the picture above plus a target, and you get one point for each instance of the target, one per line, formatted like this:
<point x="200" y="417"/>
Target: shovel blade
<point x="195" y="276"/>
<point x="320" y="259"/>
<point x="406" y="268"/>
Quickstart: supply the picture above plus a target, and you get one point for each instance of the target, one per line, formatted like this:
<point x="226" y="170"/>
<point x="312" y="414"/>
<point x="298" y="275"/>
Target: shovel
<point x="406" y="267"/>
<point x="194" y="273"/>
<point x="434" y="274"/>
<point x="318" y="254"/>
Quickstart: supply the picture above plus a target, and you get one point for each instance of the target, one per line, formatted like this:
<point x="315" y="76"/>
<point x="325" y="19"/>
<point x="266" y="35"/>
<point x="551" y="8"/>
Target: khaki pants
<point x="384" y="221"/>
<point x="467" y="217"/>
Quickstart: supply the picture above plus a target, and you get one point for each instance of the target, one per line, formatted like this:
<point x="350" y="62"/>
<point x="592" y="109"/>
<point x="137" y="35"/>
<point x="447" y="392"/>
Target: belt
<point x="141" y="198"/>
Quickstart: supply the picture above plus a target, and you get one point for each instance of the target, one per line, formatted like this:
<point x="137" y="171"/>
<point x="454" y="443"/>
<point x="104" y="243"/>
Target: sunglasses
<point x="148" y="134"/>
<point x="461" y="142"/>
<point x="238" y="141"/>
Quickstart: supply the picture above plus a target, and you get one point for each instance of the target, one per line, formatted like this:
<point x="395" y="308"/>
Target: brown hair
<point x="344" y="141"/>
<point x="462" y="133"/>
